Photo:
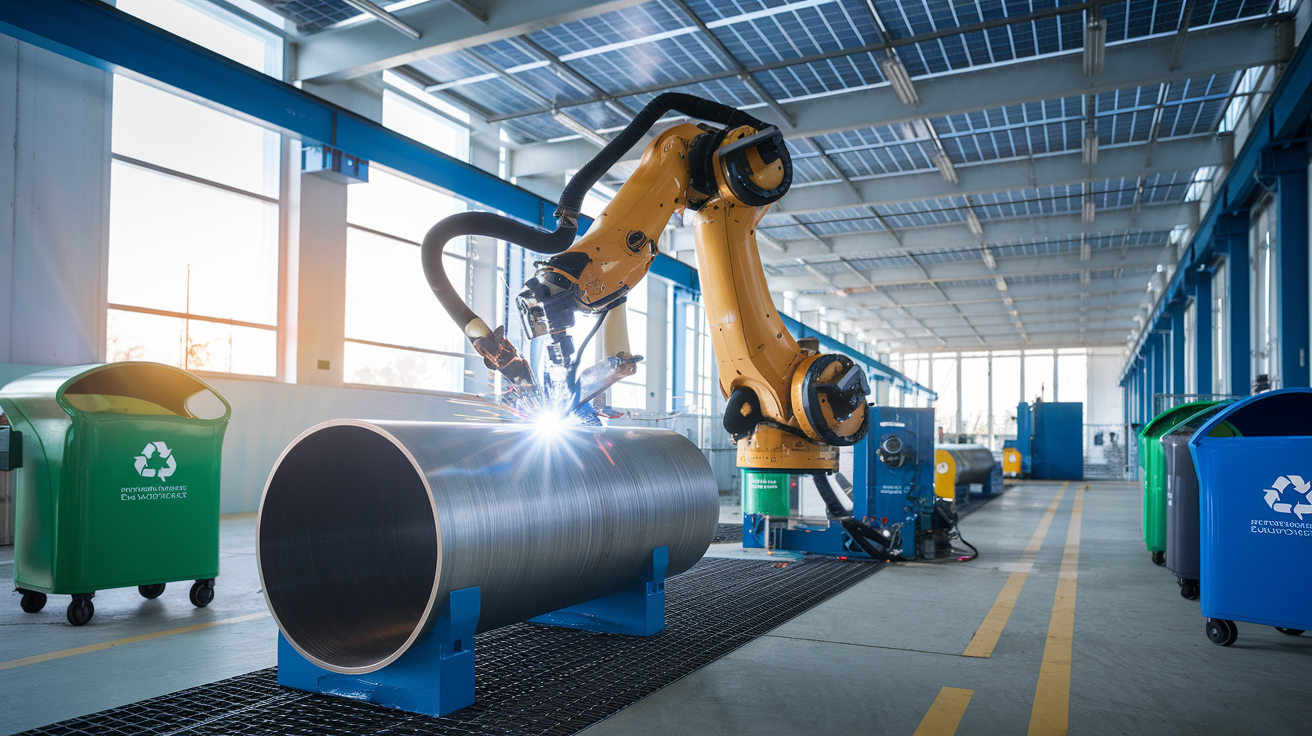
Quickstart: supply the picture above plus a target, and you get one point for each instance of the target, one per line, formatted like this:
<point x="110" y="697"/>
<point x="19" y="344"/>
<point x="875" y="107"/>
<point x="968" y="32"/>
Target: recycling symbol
<point x="1296" y="492"/>
<point x="171" y="465"/>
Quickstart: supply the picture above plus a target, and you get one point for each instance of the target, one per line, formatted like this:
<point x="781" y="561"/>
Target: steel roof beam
<point x="1181" y="154"/>
<point x="1212" y="50"/>
<point x="957" y="235"/>
<point x="928" y="273"/>
<point x="356" y="50"/>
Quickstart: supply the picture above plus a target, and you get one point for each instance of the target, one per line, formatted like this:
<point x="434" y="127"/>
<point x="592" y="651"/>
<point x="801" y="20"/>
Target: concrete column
<point x="321" y="293"/>
<point x="960" y="423"/>
<point x="54" y="207"/>
<point x="990" y="400"/>
<point x="1055" y="374"/>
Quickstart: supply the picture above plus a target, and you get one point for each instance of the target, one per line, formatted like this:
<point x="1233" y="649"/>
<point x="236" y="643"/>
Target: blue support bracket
<point x="638" y="610"/>
<point x="433" y="677"/>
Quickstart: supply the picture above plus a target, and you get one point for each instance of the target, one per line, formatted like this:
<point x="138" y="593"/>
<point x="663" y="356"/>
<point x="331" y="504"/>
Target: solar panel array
<point x="594" y="72"/>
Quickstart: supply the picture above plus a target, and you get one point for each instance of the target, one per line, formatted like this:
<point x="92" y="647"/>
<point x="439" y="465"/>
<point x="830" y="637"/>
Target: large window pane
<point x="380" y="366"/>
<point x="210" y="346"/>
<point x="975" y="397"/>
<point x="1073" y="378"/>
<point x="1038" y="375"/>
<point x="183" y="247"/>
<point x="388" y="300"/>
<point x="945" y="385"/>
<point x="397" y="206"/>
<point x="160" y="128"/>
<point x="209" y="29"/>
<point x="1006" y="393"/>
<point x="412" y="120"/>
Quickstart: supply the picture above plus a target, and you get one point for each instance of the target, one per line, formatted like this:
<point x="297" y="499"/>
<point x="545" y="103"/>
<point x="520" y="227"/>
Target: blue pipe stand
<point x="638" y="610"/>
<point x="434" y="677"/>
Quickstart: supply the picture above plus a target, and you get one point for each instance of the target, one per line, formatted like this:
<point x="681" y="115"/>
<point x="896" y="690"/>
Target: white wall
<point x="54" y="207"/>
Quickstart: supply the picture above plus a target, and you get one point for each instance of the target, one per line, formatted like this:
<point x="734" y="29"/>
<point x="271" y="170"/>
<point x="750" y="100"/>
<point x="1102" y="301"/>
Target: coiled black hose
<point x="861" y="533"/>
<point x="556" y="241"/>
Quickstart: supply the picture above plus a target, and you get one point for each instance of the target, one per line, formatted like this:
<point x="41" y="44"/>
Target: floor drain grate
<point x="530" y="679"/>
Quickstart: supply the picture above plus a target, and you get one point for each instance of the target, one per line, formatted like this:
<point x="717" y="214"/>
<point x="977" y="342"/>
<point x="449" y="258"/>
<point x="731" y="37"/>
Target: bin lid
<point x="1191" y="423"/>
<point x="1280" y="413"/>
<point x="1162" y="423"/>
<point x="133" y="387"/>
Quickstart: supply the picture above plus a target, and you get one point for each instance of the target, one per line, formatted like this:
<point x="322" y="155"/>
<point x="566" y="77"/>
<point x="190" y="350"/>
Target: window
<point x="1220" y="331"/>
<point x="631" y="393"/>
<point x="1073" y="376"/>
<point x="194" y="246"/>
<point x="1038" y="375"/>
<point x="397" y="334"/>
<point x="945" y="385"/>
<point x="1265" y="319"/>
<point x="975" y="395"/>
<point x="1006" y="393"/>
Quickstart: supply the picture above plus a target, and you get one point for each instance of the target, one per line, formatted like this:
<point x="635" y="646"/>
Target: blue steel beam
<point x="1281" y="121"/>
<point x="99" y="35"/>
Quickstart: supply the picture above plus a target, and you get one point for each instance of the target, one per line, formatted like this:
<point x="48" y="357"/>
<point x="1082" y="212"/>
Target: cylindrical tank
<point x="959" y="465"/>
<point x="366" y="527"/>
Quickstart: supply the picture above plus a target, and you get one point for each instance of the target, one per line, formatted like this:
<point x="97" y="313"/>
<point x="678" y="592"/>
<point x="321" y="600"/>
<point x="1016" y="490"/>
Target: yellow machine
<point x="788" y="407"/>
<point x="1011" y="465"/>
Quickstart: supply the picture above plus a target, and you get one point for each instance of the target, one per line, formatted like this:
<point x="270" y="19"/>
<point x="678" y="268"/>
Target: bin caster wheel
<point x="80" y="611"/>
<point x="32" y="601"/>
<point x="1222" y="632"/>
<point x="151" y="591"/>
<point x="1189" y="589"/>
<point x="202" y="593"/>
<point x="1159" y="558"/>
<point x="1291" y="632"/>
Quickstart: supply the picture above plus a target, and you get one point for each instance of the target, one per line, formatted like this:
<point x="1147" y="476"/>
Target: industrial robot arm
<point x="788" y="407"/>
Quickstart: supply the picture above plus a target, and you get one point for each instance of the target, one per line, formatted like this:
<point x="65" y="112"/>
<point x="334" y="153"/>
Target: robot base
<point x="436" y="676"/>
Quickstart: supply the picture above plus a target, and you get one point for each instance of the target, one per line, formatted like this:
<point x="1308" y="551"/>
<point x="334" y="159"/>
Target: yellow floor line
<point x="945" y="714"/>
<point x="1052" y="698"/>
<point x="986" y="637"/>
<point x="130" y="640"/>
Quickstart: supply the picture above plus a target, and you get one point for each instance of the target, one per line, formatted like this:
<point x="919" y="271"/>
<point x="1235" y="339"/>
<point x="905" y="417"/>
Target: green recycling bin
<point x="1152" y="462"/>
<point x="119" y="484"/>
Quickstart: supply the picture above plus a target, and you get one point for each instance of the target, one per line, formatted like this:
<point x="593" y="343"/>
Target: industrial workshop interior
<point x="542" y="367"/>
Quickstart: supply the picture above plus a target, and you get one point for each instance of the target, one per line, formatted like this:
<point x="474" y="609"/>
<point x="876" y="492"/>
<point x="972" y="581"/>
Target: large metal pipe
<point x="365" y="527"/>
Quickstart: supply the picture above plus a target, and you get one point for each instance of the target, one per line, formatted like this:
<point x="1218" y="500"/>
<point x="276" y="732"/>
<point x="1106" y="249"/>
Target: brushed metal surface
<point x="365" y="526"/>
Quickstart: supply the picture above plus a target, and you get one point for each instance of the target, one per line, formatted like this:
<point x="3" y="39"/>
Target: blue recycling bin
<point x="1255" y="514"/>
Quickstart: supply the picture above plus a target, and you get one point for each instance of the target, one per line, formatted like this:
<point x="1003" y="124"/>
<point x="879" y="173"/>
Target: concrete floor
<point x="870" y="660"/>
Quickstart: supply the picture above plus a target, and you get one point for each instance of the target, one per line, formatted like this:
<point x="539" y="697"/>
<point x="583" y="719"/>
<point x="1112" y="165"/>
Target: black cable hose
<point x="860" y="532"/>
<point x="556" y="241"/>
<point x="956" y="526"/>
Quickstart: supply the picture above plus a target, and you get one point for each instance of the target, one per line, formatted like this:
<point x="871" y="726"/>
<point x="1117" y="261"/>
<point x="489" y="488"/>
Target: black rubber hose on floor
<point x="556" y="241"/>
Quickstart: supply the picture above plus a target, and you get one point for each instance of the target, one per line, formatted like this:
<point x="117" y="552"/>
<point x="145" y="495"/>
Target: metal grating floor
<point x="726" y="533"/>
<point x="530" y="679"/>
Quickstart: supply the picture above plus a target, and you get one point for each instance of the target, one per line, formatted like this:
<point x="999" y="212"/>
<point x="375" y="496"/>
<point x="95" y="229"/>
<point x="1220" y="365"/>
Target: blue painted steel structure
<point x="1058" y="440"/>
<point x="1273" y="158"/>
<point x="102" y="36"/>
<point x="436" y="675"/>
<point x="883" y="493"/>
<point x="1025" y="437"/>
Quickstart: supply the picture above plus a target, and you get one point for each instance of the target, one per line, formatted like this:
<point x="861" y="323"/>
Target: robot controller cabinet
<point x="892" y="487"/>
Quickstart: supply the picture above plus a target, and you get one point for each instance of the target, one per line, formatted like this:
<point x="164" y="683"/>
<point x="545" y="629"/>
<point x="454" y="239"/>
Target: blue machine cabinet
<point x="1025" y="438"/>
<point x="436" y="675"/>
<point x="892" y="483"/>
<point x="1058" y="440"/>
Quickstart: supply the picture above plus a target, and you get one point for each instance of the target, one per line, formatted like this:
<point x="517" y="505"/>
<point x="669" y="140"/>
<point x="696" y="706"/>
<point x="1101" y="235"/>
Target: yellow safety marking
<point x="130" y="640"/>
<point x="986" y="637"/>
<point x="945" y="713"/>
<point x="1052" y="698"/>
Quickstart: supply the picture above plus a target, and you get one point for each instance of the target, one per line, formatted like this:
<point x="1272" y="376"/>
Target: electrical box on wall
<point x="334" y="164"/>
